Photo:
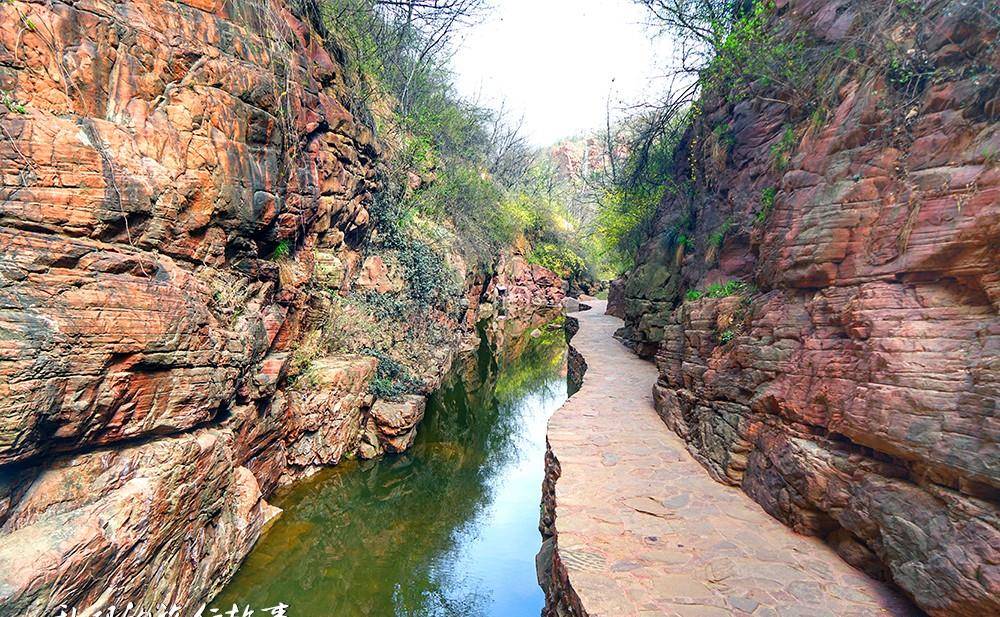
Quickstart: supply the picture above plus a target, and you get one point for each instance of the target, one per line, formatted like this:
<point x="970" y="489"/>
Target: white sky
<point x="554" y="61"/>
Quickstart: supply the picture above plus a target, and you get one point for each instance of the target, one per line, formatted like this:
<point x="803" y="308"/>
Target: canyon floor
<point x="643" y="530"/>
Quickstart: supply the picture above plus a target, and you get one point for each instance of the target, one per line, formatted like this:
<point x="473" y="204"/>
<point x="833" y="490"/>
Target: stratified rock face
<point x="393" y="424"/>
<point x="154" y="524"/>
<point x="177" y="171"/>
<point x="853" y="391"/>
<point x="168" y="149"/>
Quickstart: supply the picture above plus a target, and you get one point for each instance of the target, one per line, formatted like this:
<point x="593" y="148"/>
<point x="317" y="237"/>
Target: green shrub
<point x="429" y="280"/>
<point x="281" y="250"/>
<point x="729" y="288"/>
<point x="392" y="379"/>
<point x="469" y="158"/>
<point x="12" y="104"/>
<point x="384" y="306"/>
<point x="628" y="200"/>
<point x="781" y="151"/>
<point x="715" y="240"/>
<point x="726" y="335"/>
<point x="766" y="204"/>
<point x="559" y="258"/>
<point x="720" y="290"/>
<point x="749" y="53"/>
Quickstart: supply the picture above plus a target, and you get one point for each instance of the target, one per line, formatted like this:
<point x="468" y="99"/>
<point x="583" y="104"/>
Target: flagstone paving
<point x="643" y="530"/>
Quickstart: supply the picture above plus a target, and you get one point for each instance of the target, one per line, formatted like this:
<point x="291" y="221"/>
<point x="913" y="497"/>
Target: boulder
<point x="165" y="521"/>
<point x="395" y="422"/>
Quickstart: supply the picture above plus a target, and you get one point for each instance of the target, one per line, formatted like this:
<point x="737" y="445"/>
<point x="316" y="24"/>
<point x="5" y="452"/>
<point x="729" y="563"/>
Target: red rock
<point x="156" y="256"/>
<point x="856" y="396"/>
<point x="396" y="421"/>
<point x="168" y="514"/>
<point x="374" y="276"/>
<point x="528" y="285"/>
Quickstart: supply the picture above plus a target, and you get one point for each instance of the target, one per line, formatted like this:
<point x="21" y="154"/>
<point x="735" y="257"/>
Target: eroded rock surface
<point x="154" y="175"/>
<point x="393" y="424"/>
<point x="157" y="523"/>
<point x="851" y="386"/>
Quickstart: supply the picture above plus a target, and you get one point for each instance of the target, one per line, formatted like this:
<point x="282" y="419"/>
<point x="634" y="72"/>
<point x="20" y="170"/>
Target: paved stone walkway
<point x="643" y="530"/>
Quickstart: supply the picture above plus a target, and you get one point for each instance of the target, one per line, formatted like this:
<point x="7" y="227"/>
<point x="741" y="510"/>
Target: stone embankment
<point x="636" y="526"/>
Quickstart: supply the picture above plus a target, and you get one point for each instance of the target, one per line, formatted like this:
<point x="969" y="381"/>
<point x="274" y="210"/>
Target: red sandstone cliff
<point x="851" y="386"/>
<point x="179" y="180"/>
<point x="164" y="152"/>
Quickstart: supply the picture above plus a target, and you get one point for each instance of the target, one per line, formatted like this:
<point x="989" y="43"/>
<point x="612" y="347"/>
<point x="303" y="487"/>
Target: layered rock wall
<point x="850" y="383"/>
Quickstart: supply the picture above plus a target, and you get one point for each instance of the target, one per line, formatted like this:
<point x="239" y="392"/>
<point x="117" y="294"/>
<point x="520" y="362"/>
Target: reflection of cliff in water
<point x="411" y="535"/>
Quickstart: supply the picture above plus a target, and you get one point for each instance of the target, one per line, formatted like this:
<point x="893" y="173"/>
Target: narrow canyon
<point x="239" y="270"/>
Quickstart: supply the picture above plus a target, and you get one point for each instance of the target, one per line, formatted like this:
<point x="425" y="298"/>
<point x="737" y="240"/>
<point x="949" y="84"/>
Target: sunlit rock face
<point x="153" y="523"/>
<point x="175" y="173"/>
<point x="168" y="150"/>
<point x="853" y="392"/>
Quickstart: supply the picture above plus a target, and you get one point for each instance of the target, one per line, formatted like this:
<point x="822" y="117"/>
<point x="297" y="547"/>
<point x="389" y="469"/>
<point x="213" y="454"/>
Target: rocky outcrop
<point x="152" y="523"/>
<point x="616" y="299"/>
<point x="393" y="425"/>
<point x="164" y="202"/>
<point x="524" y="285"/>
<point x="850" y="384"/>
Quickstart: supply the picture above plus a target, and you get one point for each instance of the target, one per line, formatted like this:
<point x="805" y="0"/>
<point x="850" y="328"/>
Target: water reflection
<point x="449" y="528"/>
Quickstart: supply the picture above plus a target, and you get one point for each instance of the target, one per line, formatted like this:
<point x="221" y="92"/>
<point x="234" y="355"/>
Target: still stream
<point x="449" y="528"/>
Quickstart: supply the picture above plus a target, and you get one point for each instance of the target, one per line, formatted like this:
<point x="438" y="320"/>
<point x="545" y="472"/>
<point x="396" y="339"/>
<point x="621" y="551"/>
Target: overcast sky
<point x="554" y="61"/>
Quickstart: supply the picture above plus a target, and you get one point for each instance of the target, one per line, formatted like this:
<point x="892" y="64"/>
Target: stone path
<point x="643" y="530"/>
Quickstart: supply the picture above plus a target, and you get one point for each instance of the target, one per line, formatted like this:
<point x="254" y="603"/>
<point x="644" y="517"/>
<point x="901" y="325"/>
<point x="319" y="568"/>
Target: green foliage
<point x="715" y="240"/>
<point x="766" y="204"/>
<point x="627" y="204"/>
<point x="559" y="258"/>
<point x="470" y="198"/>
<point x="383" y="306"/>
<point x="392" y="379"/>
<point x="818" y="116"/>
<point x="750" y="54"/>
<point x="781" y="151"/>
<point x="729" y="288"/>
<point x="281" y="250"/>
<point x="909" y="73"/>
<point x="430" y="281"/>
<point x="720" y="290"/>
<point x="473" y="168"/>
<point x="726" y="335"/>
<point x="723" y="135"/>
<point x="990" y="156"/>
<point x="12" y="104"/>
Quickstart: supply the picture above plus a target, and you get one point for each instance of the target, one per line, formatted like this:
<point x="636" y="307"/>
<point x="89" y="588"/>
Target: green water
<point x="449" y="528"/>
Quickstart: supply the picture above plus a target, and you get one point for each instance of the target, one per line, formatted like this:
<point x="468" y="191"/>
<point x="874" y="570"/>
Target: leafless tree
<point x="510" y="154"/>
<point x="400" y="39"/>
